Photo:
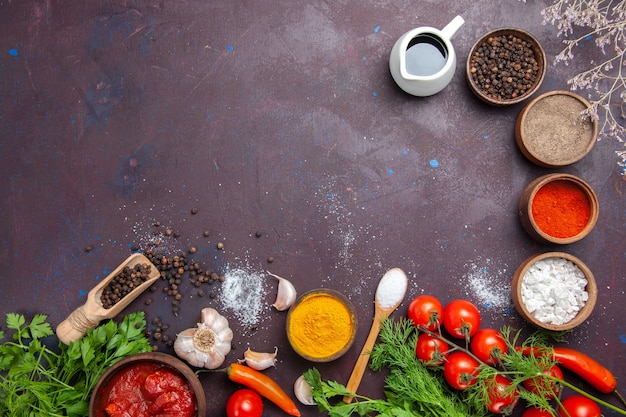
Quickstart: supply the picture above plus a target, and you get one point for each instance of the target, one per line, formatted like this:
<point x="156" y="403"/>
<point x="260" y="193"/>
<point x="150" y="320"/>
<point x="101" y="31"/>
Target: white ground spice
<point x="391" y="288"/>
<point x="243" y="292"/>
<point x="488" y="283"/>
<point x="553" y="290"/>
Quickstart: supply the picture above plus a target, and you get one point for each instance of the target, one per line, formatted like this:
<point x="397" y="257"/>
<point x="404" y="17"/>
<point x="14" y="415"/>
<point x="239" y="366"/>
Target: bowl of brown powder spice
<point x="551" y="130"/>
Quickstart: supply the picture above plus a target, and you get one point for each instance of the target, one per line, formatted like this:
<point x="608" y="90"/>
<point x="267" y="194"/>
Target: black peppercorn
<point x="504" y="67"/>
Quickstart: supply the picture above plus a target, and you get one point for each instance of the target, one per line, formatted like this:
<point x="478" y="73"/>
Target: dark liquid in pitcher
<point x="425" y="55"/>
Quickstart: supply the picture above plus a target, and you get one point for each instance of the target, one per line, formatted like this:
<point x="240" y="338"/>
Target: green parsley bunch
<point x="37" y="380"/>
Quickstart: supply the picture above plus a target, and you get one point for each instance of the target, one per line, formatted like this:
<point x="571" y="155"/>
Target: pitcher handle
<point x="451" y="28"/>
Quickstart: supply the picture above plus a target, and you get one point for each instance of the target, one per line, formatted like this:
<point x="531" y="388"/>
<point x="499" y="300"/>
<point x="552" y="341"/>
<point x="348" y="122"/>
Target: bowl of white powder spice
<point x="554" y="290"/>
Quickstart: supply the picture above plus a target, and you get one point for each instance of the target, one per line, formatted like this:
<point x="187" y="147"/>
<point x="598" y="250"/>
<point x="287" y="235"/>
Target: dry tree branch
<point x="603" y="23"/>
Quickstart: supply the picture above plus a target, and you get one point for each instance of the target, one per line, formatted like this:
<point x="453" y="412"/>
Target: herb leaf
<point x="15" y="321"/>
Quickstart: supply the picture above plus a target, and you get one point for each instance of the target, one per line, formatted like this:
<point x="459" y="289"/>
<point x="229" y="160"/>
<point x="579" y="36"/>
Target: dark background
<point x="277" y="117"/>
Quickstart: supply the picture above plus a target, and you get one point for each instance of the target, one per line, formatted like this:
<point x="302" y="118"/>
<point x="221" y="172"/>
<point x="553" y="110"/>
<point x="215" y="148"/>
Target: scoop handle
<point x="364" y="357"/>
<point x="76" y="325"/>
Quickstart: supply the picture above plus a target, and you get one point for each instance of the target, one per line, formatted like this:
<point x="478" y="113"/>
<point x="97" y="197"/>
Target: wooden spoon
<point x="89" y="315"/>
<point x="389" y="295"/>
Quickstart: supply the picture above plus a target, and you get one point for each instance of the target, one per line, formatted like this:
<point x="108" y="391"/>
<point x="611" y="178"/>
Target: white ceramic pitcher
<point x="422" y="61"/>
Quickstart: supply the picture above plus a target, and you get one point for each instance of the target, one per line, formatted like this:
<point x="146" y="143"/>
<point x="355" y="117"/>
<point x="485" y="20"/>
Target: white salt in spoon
<point x="389" y="295"/>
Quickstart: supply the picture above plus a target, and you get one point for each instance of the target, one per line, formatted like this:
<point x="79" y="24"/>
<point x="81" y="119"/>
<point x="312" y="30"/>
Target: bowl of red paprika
<point x="558" y="209"/>
<point x="146" y="385"/>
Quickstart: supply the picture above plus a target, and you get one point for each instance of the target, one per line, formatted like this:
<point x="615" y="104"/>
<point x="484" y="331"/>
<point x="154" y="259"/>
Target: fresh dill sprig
<point x="409" y="381"/>
<point x="410" y="388"/>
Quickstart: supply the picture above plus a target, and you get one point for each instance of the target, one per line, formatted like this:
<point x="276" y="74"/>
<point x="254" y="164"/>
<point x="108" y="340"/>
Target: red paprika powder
<point x="561" y="209"/>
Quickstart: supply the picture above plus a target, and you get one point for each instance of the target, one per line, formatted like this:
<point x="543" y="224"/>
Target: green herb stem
<point x="588" y="395"/>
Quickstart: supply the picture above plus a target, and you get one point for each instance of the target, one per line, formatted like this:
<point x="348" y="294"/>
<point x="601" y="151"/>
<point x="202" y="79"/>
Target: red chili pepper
<point x="587" y="368"/>
<point x="262" y="384"/>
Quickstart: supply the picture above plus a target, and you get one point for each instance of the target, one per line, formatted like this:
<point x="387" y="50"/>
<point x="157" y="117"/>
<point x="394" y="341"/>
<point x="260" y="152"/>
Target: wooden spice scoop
<point x="384" y="305"/>
<point x="90" y="314"/>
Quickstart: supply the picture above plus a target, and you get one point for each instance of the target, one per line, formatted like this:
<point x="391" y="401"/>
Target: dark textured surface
<point x="279" y="117"/>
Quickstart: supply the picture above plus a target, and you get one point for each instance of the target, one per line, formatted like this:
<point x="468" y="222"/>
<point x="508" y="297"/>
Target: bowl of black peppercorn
<point x="505" y="66"/>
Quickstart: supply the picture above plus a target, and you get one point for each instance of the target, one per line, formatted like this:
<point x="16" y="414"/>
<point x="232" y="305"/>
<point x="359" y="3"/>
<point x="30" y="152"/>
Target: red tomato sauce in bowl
<point x="146" y="389"/>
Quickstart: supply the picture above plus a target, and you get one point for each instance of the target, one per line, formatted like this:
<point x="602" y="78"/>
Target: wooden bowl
<point x="162" y="360"/>
<point x="310" y="312"/>
<point x="479" y="87"/>
<point x="531" y="226"/>
<point x="550" y="132"/>
<point x="583" y="313"/>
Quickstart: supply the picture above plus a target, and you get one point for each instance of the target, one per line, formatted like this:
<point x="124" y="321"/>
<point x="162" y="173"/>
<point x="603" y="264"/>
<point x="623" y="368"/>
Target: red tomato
<point x="459" y="369"/>
<point x="501" y="399"/>
<point x="426" y="310"/>
<point x="488" y="345"/>
<point x="580" y="406"/>
<point x="544" y="386"/>
<point x="430" y="350"/>
<point x="461" y="319"/>
<point x="244" y="403"/>
<point x="536" y="412"/>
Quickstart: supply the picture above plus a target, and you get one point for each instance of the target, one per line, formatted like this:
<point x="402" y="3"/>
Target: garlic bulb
<point x="286" y="293"/>
<point x="206" y="345"/>
<point x="259" y="360"/>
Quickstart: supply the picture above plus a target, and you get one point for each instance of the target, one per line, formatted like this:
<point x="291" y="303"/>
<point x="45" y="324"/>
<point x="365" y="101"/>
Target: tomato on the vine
<point x="459" y="370"/>
<point x="545" y="386"/>
<point x="501" y="397"/>
<point x="244" y="403"/>
<point x="430" y="350"/>
<point x="536" y="412"/>
<point x="488" y="345"/>
<point x="461" y="319"/>
<point x="579" y="406"/>
<point x="426" y="311"/>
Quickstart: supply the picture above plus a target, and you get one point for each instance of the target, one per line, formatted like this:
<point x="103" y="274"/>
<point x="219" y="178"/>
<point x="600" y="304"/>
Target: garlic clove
<point x="259" y="360"/>
<point x="209" y="315"/>
<point x="303" y="391"/>
<point x="286" y="293"/>
<point x="224" y="338"/>
<point x="214" y="360"/>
